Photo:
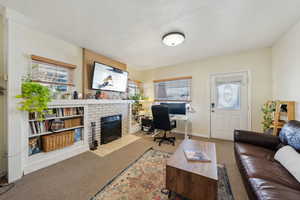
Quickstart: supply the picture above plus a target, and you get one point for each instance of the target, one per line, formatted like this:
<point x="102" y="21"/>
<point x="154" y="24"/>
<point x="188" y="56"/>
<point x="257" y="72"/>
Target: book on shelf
<point x="196" y="155"/>
<point x="37" y="127"/>
<point x="34" y="146"/>
<point x="58" y="112"/>
<point x="77" y="134"/>
<point x="69" y="111"/>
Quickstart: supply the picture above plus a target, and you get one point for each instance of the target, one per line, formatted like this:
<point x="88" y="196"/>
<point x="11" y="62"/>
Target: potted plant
<point x="137" y="106"/>
<point x="35" y="98"/>
<point x="268" y="109"/>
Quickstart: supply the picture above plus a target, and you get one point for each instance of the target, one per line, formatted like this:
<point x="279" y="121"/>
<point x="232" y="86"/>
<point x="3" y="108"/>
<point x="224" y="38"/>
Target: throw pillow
<point x="290" y="134"/>
<point x="289" y="158"/>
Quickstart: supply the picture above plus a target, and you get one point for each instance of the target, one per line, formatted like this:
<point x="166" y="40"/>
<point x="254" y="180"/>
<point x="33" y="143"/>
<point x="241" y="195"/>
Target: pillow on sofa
<point x="290" y="134"/>
<point x="289" y="158"/>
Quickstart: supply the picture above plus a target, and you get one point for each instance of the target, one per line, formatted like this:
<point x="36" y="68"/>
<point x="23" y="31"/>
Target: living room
<point x="136" y="85"/>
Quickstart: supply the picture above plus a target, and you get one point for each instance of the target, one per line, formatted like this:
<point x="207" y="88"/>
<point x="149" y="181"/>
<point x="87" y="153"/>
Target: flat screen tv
<point x="109" y="78"/>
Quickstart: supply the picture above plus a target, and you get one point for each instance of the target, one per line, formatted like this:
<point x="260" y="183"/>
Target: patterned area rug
<point x="144" y="179"/>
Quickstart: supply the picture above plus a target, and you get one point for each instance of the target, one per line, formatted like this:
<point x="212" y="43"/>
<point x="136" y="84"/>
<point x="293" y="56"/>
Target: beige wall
<point x="286" y="67"/>
<point x="133" y="73"/>
<point x="258" y="62"/>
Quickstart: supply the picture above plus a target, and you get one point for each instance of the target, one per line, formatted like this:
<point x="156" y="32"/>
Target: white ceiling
<point x="131" y="30"/>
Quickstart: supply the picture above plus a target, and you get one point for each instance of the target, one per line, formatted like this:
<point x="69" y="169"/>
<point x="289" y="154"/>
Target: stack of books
<point x="37" y="127"/>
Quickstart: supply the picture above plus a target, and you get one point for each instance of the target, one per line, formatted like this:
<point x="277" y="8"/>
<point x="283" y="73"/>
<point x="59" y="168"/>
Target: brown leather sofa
<point x="264" y="178"/>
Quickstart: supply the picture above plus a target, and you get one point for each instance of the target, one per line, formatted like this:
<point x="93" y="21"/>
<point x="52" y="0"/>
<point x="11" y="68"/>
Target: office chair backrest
<point x="161" y="119"/>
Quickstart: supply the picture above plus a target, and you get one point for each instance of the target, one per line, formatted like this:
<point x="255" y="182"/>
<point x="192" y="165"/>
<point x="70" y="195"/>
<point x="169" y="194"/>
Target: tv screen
<point x="109" y="78"/>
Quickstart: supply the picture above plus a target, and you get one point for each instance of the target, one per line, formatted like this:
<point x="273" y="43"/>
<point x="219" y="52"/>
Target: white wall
<point x="24" y="41"/>
<point x="286" y="67"/>
<point x="3" y="160"/>
<point x="258" y="62"/>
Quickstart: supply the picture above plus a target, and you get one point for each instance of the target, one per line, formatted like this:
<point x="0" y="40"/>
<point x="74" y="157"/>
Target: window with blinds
<point x="133" y="88"/>
<point x="178" y="89"/>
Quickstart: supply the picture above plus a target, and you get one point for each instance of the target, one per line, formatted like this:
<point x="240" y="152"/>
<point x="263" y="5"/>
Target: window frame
<point x="173" y="79"/>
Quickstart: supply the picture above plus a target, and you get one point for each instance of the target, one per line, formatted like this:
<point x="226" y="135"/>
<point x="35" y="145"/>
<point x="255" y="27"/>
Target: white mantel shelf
<point x="88" y="102"/>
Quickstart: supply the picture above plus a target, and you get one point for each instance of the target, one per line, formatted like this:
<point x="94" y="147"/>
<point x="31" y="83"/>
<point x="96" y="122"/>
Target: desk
<point x="184" y="118"/>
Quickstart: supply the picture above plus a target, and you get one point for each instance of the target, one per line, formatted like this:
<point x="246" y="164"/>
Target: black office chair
<point x="161" y="121"/>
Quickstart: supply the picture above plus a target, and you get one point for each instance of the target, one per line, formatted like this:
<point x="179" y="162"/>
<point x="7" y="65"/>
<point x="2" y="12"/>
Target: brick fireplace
<point x="98" y="111"/>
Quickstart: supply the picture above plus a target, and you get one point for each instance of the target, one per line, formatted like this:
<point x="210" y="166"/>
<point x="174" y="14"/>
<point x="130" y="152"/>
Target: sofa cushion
<point x="289" y="158"/>
<point x="256" y="151"/>
<point x="290" y="134"/>
<point x="269" y="170"/>
<point x="269" y="190"/>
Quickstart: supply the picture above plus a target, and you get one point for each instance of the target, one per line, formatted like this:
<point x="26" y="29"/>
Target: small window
<point x="58" y="76"/>
<point x="178" y="89"/>
<point x="133" y="88"/>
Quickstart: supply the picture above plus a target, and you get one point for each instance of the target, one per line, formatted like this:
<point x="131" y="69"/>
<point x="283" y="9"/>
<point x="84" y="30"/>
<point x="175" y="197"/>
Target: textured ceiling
<point x="130" y="31"/>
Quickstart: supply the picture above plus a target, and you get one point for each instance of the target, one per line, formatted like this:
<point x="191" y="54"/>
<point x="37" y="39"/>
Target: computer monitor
<point x="176" y="108"/>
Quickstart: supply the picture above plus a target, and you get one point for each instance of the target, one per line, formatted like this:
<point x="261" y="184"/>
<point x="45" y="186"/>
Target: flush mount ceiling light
<point x="173" y="39"/>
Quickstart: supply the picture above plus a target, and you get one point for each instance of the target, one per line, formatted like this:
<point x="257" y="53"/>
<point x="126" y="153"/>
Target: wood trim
<point x="173" y="79"/>
<point x="136" y="81"/>
<point x="54" y="83"/>
<point x="53" y="62"/>
<point x="89" y="57"/>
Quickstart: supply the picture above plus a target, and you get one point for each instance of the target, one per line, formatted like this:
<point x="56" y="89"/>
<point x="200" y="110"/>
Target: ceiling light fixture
<point x="173" y="39"/>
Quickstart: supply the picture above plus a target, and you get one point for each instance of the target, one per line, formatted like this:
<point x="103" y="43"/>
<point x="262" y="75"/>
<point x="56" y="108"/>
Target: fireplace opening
<point x="111" y="128"/>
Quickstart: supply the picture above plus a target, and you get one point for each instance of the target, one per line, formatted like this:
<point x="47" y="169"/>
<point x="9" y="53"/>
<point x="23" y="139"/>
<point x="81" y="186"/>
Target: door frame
<point x="249" y="88"/>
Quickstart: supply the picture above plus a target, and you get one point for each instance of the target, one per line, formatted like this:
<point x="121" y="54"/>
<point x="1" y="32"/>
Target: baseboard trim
<point x="193" y="134"/>
<point x="200" y="135"/>
<point x="54" y="157"/>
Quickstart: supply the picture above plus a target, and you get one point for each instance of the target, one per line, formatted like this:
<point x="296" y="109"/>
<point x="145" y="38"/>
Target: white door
<point x="229" y="104"/>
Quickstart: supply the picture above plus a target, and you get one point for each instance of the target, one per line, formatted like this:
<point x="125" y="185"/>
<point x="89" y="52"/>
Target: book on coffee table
<point x="195" y="155"/>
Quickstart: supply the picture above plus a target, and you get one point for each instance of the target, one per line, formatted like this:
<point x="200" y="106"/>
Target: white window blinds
<point x="173" y="90"/>
<point x="133" y="88"/>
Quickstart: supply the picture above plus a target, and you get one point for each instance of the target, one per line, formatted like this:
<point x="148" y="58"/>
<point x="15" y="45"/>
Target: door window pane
<point x="228" y="95"/>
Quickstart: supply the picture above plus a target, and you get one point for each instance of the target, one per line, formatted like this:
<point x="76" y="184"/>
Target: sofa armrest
<point x="259" y="139"/>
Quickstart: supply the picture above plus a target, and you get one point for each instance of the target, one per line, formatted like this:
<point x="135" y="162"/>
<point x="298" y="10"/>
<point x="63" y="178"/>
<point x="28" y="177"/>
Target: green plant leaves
<point x="35" y="98"/>
<point x="268" y="109"/>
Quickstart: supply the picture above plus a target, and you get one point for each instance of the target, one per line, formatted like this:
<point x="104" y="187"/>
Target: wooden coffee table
<point x="192" y="179"/>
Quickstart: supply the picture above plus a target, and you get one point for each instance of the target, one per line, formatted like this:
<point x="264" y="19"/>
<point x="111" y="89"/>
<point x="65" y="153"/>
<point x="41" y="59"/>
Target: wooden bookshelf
<point x="284" y="112"/>
<point x="59" y="121"/>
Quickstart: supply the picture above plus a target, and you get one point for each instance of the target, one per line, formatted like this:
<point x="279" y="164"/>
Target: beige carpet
<point x="80" y="177"/>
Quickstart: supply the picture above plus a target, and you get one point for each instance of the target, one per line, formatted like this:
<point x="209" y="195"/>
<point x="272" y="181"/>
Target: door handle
<point x="212" y="107"/>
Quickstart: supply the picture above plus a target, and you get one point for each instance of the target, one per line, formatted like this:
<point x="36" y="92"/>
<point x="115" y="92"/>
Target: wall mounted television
<point x="108" y="78"/>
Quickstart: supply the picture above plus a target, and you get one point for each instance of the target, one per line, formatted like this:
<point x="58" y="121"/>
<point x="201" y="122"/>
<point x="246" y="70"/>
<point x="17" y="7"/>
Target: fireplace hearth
<point x="111" y="128"/>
